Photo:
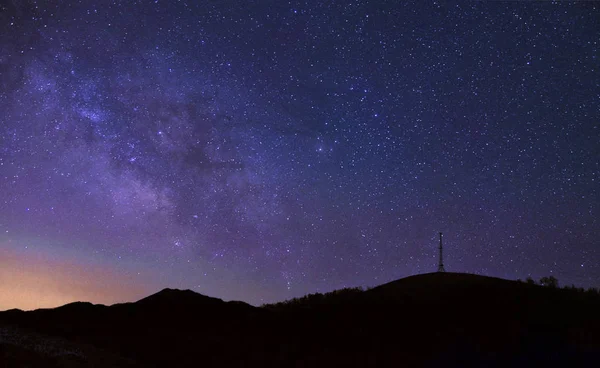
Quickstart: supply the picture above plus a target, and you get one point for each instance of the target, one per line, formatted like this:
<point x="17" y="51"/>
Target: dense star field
<point x="264" y="150"/>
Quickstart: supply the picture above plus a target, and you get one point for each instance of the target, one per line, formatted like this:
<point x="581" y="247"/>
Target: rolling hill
<point x="439" y="319"/>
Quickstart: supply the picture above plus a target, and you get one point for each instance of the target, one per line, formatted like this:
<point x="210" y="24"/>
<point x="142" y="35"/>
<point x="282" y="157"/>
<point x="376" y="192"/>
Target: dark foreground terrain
<point x="442" y="319"/>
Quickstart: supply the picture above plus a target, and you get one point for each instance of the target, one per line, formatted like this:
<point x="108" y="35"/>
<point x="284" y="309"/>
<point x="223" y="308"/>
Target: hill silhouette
<point x="429" y="320"/>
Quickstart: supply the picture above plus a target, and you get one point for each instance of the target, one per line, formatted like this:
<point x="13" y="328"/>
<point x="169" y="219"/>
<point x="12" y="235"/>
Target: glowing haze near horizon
<point x="264" y="150"/>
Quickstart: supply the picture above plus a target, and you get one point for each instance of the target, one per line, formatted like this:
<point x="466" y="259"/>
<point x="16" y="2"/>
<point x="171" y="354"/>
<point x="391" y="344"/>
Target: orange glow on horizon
<point x="32" y="281"/>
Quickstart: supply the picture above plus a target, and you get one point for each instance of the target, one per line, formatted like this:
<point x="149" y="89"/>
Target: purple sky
<point x="264" y="150"/>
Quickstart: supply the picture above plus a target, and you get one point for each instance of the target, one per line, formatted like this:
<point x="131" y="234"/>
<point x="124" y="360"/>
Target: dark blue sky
<point x="263" y="150"/>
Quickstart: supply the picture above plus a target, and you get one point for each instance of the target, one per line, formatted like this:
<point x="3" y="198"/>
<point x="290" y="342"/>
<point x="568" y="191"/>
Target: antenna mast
<point x="441" y="263"/>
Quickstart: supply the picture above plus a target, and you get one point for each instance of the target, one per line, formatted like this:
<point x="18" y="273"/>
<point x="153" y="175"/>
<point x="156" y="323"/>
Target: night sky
<point x="262" y="150"/>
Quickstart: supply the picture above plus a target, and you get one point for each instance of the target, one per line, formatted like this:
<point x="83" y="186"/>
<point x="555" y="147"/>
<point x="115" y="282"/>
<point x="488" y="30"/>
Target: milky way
<point x="264" y="150"/>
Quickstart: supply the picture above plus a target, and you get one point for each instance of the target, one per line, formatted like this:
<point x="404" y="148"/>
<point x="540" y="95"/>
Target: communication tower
<point x="441" y="263"/>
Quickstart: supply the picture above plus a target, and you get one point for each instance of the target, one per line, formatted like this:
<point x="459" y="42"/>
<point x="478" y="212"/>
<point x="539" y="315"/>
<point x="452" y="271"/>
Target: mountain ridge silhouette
<point x="422" y="320"/>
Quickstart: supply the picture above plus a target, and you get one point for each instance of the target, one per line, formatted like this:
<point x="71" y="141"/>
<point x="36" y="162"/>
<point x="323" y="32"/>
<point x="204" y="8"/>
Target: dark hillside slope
<point x="450" y="318"/>
<point x="426" y="320"/>
<point x="170" y="325"/>
<point x="488" y="319"/>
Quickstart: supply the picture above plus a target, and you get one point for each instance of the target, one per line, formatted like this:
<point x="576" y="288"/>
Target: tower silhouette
<point x="441" y="263"/>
